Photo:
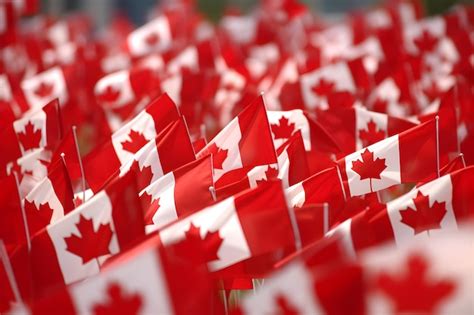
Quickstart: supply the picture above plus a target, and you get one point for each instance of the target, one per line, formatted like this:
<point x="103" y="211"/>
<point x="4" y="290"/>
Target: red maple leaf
<point x="218" y="155"/>
<point x="412" y="292"/>
<point x="426" y="41"/>
<point x="118" y="302"/>
<point x="369" y="167"/>
<point x="424" y="217"/>
<point x="323" y="87"/>
<point x="283" y="130"/>
<point x="30" y="138"/>
<point x="136" y="142"/>
<point x="110" y="94"/>
<point x="152" y="39"/>
<point x="144" y="175"/>
<point x="199" y="249"/>
<point x="269" y="174"/>
<point x="152" y="206"/>
<point x="44" y="89"/>
<point x="284" y="307"/>
<point x="37" y="218"/>
<point x="90" y="244"/>
<point x="371" y="135"/>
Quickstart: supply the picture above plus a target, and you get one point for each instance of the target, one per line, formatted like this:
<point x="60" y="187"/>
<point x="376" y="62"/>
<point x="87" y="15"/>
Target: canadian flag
<point x="50" y="200"/>
<point x="425" y="212"/>
<point x="356" y="128"/>
<point x="106" y="159"/>
<point x="236" y="145"/>
<point x="12" y="230"/>
<point x="424" y="36"/>
<point x="292" y="167"/>
<point x="176" y="194"/>
<point x="283" y="124"/>
<point x="124" y="92"/>
<point x="302" y="289"/>
<point x="391" y="161"/>
<point x="154" y="36"/>
<point x="39" y="128"/>
<point x="254" y="222"/>
<point x="320" y="188"/>
<point x="30" y="169"/>
<point x="432" y="277"/>
<point x="35" y="129"/>
<point x="313" y="88"/>
<point x="161" y="155"/>
<point x="75" y="246"/>
<point x="145" y="280"/>
<point x="44" y="87"/>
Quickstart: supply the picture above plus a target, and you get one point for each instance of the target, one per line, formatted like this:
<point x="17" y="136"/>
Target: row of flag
<point x="276" y="162"/>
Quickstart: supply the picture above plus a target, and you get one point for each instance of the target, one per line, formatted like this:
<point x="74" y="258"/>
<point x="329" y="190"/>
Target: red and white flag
<point x="433" y="277"/>
<point x="154" y="36"/>
<point x="391" y="161"/>
<point x="254" y="222"/>
<point x="30" y="169"/>
<point x="176" y="194"/>
<point x="313" y="89"/>
<point x="285" y="123"/>
<point x="50" y="200"/>
<point x="161" y="155"/>
<point x="106" y="159"/>
<point x="292" y="167"/>
<point x="356" y="128"/>
<point x="44" y="87"/>
<point x="236" y="145"/>
<point x="35" y="129"/>
<point x="425" y="212"/>
<point x="143" y="280"/>
<point x="75" y="246"/>
<point x="323" y="187"/>
<point x="299" y="288"/>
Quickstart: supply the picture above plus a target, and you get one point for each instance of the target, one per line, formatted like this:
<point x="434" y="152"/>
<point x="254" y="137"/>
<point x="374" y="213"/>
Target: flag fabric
<point x="176" y="194"/>
<point x="165" y="167"/>
<point x="427" y="211"/>
<point x="105" y="160"/>
<point x="234" y="147"/>
<point x="390" y="162"/>
<point x="231" y="231"/>
<point x="50" y="200"/>
<point x="75" y="246"/>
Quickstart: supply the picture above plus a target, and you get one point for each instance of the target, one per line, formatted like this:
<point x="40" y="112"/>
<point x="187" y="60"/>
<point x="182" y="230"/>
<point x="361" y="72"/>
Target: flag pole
<point x="23" y="214"/>
<point x="461" y="155"/>
<point x="325" y="217"/>
<point x="83" y="177"/>
<point x="9" y="272"/>
<point x="341" y="182"/>
<point x="437" y="143"/>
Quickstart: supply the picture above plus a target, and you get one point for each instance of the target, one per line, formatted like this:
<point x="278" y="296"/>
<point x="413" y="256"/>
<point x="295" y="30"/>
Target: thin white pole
<point x="83" y="181"/>
<point x="462" y="159"/>
<point x="341" y="182"/>
<point x="437" y="143"/>
<point x="325" y="217"/>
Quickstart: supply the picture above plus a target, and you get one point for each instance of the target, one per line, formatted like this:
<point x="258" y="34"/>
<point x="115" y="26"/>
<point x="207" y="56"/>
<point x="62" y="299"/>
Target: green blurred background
<point x="137" y="10"/>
